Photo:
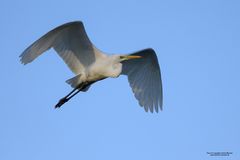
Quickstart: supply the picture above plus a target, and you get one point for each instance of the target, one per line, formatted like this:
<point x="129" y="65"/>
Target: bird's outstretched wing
<point x="71" y="43"/>
<point x="145" y="79"/>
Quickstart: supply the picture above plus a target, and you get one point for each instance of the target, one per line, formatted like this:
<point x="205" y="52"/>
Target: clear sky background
<point x="197" y="43"/>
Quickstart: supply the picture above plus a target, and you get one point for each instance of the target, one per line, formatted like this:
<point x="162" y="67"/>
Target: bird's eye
<point x="122" y="58"/>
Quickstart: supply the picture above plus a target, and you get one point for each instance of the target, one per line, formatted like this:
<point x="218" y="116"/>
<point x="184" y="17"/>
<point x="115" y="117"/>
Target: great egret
<point x="90" y="65"/>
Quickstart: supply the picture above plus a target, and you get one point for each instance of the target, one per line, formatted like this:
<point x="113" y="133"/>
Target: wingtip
<point x="161" y="108"/>
<point x="22" y="60"/>
<point x="25" y="57"/>
<point x="157" y="110"/>
<point x="161" y="105"/>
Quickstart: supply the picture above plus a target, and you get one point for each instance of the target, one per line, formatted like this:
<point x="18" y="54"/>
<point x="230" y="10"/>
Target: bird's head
<point x="115" y="61"/>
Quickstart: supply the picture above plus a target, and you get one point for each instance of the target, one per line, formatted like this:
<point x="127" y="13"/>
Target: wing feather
<point x="145" y="79"/>
<point x="70" y="41"/>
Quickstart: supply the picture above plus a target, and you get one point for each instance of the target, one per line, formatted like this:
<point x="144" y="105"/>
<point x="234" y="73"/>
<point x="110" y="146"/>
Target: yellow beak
<point x="130" y="57"/>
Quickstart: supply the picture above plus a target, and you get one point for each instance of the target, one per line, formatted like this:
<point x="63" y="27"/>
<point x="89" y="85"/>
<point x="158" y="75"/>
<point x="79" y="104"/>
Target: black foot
<point x="61" y="102"/>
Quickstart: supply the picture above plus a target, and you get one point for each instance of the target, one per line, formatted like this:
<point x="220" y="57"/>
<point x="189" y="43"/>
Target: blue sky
<point x="197" y="43"/>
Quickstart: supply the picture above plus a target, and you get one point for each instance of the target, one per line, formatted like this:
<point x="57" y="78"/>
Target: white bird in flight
<point x="90" y="65"/>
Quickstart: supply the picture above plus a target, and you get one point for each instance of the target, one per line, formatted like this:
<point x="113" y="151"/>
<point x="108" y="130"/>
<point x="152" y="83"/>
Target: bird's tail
<point x="75" y="81"/>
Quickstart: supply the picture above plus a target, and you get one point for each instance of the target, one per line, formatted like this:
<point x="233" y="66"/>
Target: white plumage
<point x="90" y="65"/>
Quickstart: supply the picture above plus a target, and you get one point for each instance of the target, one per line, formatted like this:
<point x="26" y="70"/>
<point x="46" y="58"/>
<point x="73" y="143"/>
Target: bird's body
<point x="106" y="66"/>
<point x="90" y="65"/>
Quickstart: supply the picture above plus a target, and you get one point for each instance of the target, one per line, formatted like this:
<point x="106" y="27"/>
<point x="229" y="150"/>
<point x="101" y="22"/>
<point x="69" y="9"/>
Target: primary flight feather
<point x="90" y="65"/>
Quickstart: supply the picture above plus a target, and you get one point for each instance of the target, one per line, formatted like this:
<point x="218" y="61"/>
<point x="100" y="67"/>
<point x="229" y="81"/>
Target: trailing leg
<point x="69" y="96"/>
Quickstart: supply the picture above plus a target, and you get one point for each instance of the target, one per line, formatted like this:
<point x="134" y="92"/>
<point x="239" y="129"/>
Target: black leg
<point x="69" y="96"/>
